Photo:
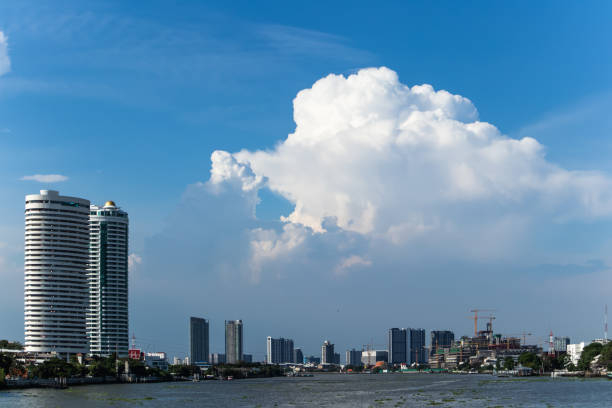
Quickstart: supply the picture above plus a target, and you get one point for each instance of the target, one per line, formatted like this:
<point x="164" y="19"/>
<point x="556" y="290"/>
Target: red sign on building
<point x="135" y="354"/>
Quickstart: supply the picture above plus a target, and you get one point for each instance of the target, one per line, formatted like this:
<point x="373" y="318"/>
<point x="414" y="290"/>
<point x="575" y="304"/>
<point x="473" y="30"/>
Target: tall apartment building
<point x="279" y="351"/>
<point x="441" y="339"/>
<point x="107" y="273"/>
<point x="233" y="341"/>
<point x="298" y="356"/>
<point x="327" y="353"/>
<point x="398" y="346"/>
<point x="56" y="259"/>
<point x="353" y="357"/>
<point x="416" y="346"/>
<point x="198" y="340"/>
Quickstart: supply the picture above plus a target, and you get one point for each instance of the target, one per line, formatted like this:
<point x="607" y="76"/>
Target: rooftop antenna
<point x="133" y="341"/>
<point x="606" y="324"/>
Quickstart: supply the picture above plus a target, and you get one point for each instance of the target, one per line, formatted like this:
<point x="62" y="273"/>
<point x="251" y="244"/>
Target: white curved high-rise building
<point x="56" y="258"/>
<point x="107" y="316"/>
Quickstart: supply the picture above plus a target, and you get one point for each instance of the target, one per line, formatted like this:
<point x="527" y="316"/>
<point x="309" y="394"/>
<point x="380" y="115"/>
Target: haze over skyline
<point x="325" y="171"/>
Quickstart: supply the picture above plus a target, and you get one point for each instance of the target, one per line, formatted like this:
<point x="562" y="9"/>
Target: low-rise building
<point x="156" y="360"/>
<point x="313" y="360"/>
<point x="217" y="358"/>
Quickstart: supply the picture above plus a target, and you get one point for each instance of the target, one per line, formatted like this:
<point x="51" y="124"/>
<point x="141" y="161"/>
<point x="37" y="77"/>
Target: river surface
<point x="331" y="390"/>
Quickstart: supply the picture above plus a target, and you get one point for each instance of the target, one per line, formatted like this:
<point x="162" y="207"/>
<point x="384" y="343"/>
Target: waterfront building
<point x="441" y="339"/>
<point x="371" y="357"/>
<point x="247" y="358"/>
<point x="198" y="339"/>
<point x="56" y="259"/>
<point x="216" y="358"/>
<point x="353" y="357"/>
<point x="233" y="341"/>
<point x="560" y="344"/>
<point x="327" y="353"/>
<point x="416" y="346"/>
<point x="107" y="274"/>
<point x="574" y="351"/>
<point x="298" y="356"/>
<point x="279" y="350"/>
<point x="156" y="360"/>
<point x="398" y="346"/>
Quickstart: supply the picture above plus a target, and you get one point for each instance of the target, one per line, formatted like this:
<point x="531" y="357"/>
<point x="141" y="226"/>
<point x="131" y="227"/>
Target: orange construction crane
<point x="475" y="311"/>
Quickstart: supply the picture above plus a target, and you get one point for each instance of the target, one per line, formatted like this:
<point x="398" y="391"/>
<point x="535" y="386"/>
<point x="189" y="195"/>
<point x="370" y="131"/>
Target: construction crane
<point x="476" y="317"/>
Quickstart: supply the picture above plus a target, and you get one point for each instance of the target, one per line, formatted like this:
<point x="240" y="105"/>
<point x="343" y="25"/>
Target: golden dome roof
<point x="110" y="204"/>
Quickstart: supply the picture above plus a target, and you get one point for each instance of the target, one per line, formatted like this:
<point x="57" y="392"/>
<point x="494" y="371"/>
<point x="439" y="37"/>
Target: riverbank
<point x="14" y="384"/>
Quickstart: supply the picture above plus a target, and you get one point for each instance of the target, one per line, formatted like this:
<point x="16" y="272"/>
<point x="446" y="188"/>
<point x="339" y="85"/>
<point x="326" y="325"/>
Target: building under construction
<point x="484" y="347"/>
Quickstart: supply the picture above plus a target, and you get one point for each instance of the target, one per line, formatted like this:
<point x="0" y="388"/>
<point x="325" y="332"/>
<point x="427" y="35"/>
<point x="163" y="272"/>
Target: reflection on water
<point x="332" y="390"/>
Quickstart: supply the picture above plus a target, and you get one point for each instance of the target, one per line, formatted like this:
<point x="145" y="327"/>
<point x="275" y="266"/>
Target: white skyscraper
<point x="107" y="316"/>
<point x="56" y="256"/>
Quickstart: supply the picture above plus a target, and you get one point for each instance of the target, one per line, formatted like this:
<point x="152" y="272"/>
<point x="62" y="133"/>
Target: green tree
<point x="103" y="367"/>
<point x="183" y="370"/>
<point x="588" y="354"/>
<point x="10" y="345"/>
<point x="509" y="363"/>
<point x="53" y="368"/>
<point x="137" y="368"/>
<point x="606" y="356"/>
<point x="531" y="360"/>
<point x="6" y="361"/>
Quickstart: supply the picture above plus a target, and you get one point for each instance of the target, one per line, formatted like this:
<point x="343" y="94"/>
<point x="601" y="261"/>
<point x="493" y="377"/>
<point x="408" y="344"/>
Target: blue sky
<point x="129" y="102"/>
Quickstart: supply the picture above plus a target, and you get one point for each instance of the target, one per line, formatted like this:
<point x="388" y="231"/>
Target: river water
<point x="331" y="390"/>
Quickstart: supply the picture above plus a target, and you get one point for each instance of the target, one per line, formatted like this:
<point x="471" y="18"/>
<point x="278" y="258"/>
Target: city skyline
<point x="106" y="313"/>
<point x="301" y="167"/>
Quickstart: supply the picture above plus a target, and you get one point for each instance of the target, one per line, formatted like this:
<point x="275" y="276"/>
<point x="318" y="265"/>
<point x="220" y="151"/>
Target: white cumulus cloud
<point x="350" y="262"/>
<point x="45" y="178"/>
<point x="5" y="62"/>
<point x="386" y="159"/>
<point x="133" y="260"/>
